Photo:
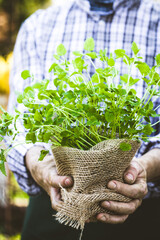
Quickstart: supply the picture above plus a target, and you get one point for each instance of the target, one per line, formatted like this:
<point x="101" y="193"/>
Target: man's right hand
<point x="45" y="174"/>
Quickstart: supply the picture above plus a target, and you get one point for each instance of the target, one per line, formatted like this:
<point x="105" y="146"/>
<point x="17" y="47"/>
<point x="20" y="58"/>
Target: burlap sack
<point x="91" y="171"/>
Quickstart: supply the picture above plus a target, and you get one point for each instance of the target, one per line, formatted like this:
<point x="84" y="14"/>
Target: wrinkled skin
<point x="140" y="171"/>
<point x="45" y="174"/>
<point x="135" y="187"/>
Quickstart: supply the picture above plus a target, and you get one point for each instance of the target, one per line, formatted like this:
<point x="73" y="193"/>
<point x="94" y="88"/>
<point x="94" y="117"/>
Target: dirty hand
<point x="135" y="187"/>
<point x="45" y="174"/>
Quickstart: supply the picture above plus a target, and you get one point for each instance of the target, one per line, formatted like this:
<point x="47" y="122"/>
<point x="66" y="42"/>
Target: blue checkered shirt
<point x="71" y="24"/>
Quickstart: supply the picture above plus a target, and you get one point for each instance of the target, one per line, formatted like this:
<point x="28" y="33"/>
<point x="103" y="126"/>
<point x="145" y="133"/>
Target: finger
<point x="138" y="190"/>
<point x="112" y="219"/>
<point x="121" y="207"/>
<point x="60" y="181"/>
<point x="55" y="198"/>
<point x="132" y="172"/>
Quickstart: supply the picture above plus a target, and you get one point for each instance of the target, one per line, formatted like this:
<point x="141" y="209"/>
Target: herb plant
<point x="86" y="109"/>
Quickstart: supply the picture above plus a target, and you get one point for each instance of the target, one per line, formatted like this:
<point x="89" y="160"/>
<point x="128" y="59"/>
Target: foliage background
<point x="12" y="14"/>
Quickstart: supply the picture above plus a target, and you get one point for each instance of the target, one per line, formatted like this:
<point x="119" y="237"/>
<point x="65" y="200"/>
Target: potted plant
<point x="95" y="123"/>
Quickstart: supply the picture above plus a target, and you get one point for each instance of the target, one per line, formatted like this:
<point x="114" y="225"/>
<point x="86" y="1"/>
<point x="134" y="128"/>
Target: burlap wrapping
<point x="91" y="171"/>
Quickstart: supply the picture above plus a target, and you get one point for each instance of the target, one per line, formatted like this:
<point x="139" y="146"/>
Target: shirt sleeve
<point x="147" y="146"/>
<point x="25" y="58"/>
<point x="153" y="187"/>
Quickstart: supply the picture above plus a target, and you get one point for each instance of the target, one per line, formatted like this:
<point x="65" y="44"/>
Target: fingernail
<point x="129" y="176"/>
<point x="106" y="204"/>
<point x="103" y="218"/>
<point x="68" y="182"/>
<point x="112" y="185"/>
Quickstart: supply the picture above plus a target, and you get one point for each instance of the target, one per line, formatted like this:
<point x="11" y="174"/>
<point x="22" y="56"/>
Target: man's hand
<point x="135" y="187"/>
<point x="45" y="174"/>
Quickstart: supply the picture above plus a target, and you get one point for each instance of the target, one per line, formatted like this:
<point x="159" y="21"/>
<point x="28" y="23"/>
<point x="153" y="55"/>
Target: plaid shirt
<point x="71" y="24"/>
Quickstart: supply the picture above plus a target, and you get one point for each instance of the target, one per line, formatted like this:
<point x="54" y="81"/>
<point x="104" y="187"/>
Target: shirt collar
<point x="102" y="7"/>
<point x="85" y="5"/>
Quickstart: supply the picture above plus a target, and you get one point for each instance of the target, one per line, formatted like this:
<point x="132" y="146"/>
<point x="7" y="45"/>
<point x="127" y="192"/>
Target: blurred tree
<point x="12" y="14"/>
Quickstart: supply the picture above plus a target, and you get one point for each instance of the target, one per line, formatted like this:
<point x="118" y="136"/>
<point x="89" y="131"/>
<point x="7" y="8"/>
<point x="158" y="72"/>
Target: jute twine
<point x="91" y="171"/>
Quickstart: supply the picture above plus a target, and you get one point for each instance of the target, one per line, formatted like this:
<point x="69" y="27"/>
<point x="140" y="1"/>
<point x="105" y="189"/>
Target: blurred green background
<point x="13" y="201"/>
<point x="12" y="14"/>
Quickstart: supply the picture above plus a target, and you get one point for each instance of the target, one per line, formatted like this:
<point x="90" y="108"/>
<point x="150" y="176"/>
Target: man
<point x="112" y="24"/>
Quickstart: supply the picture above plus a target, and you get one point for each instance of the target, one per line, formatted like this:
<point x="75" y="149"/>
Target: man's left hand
<point x="135" y="187"/>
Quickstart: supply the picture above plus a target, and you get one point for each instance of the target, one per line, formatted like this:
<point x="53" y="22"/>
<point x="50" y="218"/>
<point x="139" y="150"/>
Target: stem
<point x="155" y="123"/>
<point x="96" y="135"/>
<point x="156" y="108"/>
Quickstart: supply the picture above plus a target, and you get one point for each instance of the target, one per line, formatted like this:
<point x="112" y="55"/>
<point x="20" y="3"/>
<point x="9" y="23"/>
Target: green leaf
<point x="124" y="78"/>
<point x="31" y="137"/>
<point x="111" y="62"/>
<point x="143" y="68"/>
<point x="89" y="44"/>
<point x="25" y="74"/>
<point x="65" y="134"/>
<point x="132" y="81"/>
<point x="55" y="102"/>
<point x="27" y="89"/>
<point x="147" y="129"/>
<point x="53" y="67"/>
<point x="93" y="123"/>
<point x="156" y="77"/>
<point x="2" y="155"/>
<point x="119" y="53"/>
<point x="146" y="80"/>
<point x="1" y="139"/>
<point x="95" y="78"/>
<point x="158" y="59"/>
<point x="133" y="91"/>
<point x="147" y="119"/>
<point x="79" y="63"/>
<point x="135" y="48"/>
<point x="109" y="116"/>
<point x="43" y="154"/>
<point x="2" y="168"/>
<point x="37" y="116"/>
<point x="61" y="50"/>
<point x="69" y="94"/>
<point x="37" y="85"/>
<point x="2" y="162"/>
<point x="26" y="102"/>
<point x="154" y="114"/>
<point x="27" y="122"/>
<point x="122" y="92"/>
<point x="20" y="98"/>
<point x="57" y="57"/>
<point x="47" y="136"/>
<point x="93" y="55"/>
<point x="150" y="105"/>
<point x="76" y="53"/>
<point x="124" y="146"/>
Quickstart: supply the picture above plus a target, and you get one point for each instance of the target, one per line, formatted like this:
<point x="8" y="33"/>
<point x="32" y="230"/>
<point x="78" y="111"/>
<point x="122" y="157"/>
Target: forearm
<point x="151" y="163"/>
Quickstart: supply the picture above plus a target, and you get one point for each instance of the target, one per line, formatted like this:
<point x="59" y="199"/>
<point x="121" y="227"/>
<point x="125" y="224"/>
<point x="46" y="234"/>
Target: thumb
<point x="132" y="172"/>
